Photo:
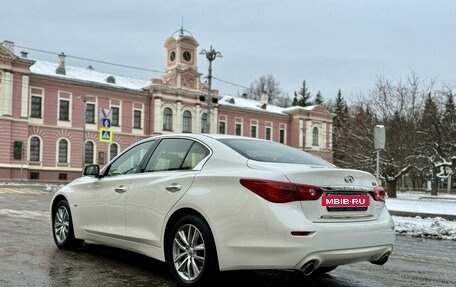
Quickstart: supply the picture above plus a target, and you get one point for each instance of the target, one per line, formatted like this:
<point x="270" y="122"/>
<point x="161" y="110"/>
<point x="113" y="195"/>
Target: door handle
<point x="120" y="189"/>
<point x="173" y="187"/>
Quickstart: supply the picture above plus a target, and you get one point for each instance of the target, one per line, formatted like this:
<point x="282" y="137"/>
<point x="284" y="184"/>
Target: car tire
<point x="191" y="252"/>
<point x="62" y="227"/>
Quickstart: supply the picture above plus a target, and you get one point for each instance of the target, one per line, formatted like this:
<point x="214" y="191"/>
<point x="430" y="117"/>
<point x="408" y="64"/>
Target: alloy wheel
<point x="188" y="252"/>
<point x="61" y="224"/>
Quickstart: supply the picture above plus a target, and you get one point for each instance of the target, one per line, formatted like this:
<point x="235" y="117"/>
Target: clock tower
<point x="181" y="61"/>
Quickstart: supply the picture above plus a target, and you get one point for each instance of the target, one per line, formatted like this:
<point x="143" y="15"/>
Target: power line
<point x="230" y="83"/>
<point x="118" y="64"/>
<point x="92" y="60"/>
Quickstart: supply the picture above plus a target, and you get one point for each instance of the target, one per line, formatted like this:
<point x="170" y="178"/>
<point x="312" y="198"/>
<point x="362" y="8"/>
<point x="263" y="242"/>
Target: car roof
<point x="201" y="136"/>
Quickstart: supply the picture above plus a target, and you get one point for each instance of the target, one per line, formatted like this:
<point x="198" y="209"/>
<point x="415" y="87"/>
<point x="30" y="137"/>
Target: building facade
<point x="51" y="114"/>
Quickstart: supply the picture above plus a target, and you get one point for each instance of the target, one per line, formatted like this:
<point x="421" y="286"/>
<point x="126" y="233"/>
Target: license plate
<point x="345" y="200"/>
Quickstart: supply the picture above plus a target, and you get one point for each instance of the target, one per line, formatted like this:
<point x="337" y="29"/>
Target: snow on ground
<point x="436" y="227"/>
<point x="420" y="202"/>
<point x="423" y="203"/>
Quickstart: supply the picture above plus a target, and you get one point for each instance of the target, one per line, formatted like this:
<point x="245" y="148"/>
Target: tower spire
<point x="182" y="27"/>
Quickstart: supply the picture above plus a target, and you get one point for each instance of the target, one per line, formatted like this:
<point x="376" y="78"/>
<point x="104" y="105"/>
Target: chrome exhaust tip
<point x="308" y="268"/>
<point x="382" y="260"/>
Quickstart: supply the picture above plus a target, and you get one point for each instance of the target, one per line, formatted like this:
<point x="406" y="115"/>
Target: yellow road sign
<point x="106" y="135"/>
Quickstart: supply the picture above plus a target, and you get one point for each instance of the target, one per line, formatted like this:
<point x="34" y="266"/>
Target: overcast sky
<point x="332" y="44"/>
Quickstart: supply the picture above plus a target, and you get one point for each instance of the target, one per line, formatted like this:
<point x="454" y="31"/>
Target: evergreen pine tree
<point x="295" y="99"/>
<point x="341" y="111"/>
<point x="319" y="98"/>
<point x="449" y="115"/>
<point x="430" y="137"/>
<point x="304" y="100"/>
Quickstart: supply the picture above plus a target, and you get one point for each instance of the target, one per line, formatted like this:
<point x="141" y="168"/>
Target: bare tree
<point x="264" y="85"/>
<point x="354" y="139"/>
<point x="271" y="87"/>
<point x="397" y="106"/>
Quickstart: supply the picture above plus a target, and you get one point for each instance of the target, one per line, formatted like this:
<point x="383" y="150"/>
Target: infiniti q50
<point x="210" y="203"/>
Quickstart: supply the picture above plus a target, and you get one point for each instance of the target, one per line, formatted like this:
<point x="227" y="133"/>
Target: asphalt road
<point x="28" y="257"/>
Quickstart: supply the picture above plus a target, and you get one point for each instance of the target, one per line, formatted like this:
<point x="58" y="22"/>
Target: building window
<point x="204" y="123"/>
<point x="64" y="110"/>
<point x="101" y="157"/>
<point x="137" y="119"/>
<point x="18" y="149"/>
<point x="35" y="109"/>
<point x="34" y="175"/>
<point x="253" y="131"/>
<point x="187" y="122"/>
<point x="90" y="113"/>
<point x="282" y="136"/>
<point x="167" y="119"/>
<point x="115" y="116"/>
<point x="88" y="153"/>
<point x="63" y="151"/>
<point x="238" y="129"/>
<point x="113" y="151"/>
<point x="315" y="136"/>
<point x="222" y="128"/>
<point x="35" y="147"/>
<point x="268" y="133"/>
<point x="63" y="176"/>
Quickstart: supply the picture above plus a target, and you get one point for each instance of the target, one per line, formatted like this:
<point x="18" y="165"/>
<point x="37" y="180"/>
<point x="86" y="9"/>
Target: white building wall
<point x="6" y="94"/>
<point x="25" y="96"/>
<point x="158" y="121"/>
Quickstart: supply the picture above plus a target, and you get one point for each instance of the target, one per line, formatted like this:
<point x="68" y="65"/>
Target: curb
<point x="422" y="215"/>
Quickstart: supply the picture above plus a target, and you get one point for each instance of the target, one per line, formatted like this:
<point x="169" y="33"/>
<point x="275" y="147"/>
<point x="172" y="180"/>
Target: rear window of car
<point x="268" y="151"/>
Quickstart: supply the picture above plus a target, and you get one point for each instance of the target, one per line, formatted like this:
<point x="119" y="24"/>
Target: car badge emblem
<point x="349" y="179"/>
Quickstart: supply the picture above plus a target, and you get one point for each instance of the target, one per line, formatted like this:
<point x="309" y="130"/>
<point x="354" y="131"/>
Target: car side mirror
<point x="92" y="170"/>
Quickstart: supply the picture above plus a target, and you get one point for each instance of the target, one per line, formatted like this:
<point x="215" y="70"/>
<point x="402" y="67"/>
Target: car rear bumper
<point x="294" y="254"/>
<point x="267" y="243"/>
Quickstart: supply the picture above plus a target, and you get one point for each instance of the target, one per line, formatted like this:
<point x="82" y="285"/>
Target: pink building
<point x="42" y="108"/>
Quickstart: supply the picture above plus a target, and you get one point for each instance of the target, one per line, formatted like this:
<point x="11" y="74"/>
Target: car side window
<point x="129" y="161"/>
<point x="172" y="154"/>
<point x="195" y="155"/>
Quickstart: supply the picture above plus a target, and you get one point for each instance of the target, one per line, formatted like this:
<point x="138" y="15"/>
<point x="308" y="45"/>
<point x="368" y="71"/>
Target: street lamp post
<point x="210" y="55"/>
<point x="379" y="143"/>
<point x="84" y="100"/>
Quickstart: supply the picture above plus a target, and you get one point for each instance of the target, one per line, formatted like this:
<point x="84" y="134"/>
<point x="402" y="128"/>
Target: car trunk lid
<point x="346" y="192"/>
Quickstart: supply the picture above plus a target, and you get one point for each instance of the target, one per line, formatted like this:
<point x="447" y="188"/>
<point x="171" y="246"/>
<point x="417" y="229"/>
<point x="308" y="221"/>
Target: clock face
<point x="172" y="56"/>
<point x="187" y="56"/>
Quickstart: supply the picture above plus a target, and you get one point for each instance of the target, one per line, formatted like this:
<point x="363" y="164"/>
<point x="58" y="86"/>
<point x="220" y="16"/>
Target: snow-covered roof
<point x="249" y="104"/>
<point x="88" y="75"/>
<point x="307" y="108"/>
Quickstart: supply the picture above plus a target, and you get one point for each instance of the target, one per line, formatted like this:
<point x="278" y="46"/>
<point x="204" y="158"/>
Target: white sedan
<point x="209" y="203"/>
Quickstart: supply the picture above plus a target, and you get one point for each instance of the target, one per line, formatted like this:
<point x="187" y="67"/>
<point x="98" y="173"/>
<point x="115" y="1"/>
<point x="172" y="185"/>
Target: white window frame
<point x="94" y="155"/>
<point x="65" y="123"/>
<point x="254" y="123"/>
<point x="191" y="121"/>
<point x="283" y="127"/>
<point x="40" y="157"/>
<point x="172" y="118"/>
<point x="241" y="122"/>
<point x="268" y="125"/>
<point x="57" y="151"/>
<point x="34" y="120"/>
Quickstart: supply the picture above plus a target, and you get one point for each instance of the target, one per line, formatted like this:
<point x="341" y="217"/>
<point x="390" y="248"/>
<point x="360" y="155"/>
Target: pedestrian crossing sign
<point x="106" y="136"/>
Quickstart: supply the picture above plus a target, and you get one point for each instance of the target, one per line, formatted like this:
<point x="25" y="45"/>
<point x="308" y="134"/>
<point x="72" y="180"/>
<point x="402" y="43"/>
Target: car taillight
<point x="281" y="192"/>
<point x="378" y="194"/>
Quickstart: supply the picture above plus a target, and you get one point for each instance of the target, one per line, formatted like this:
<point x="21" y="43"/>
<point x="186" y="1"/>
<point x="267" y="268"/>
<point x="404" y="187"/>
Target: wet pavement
<point x="28" y="257"/>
